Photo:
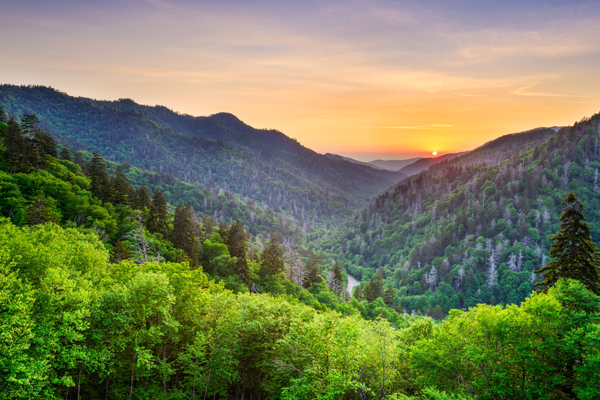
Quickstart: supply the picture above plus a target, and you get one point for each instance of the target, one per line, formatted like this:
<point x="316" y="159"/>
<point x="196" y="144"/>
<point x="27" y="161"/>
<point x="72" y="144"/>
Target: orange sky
<point x="377" y="79"/>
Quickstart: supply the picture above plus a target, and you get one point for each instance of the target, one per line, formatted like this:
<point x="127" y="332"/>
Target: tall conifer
<point x="100" y="185"/>
<point x="158" y="219"/>
<point x="574" y="254"/>
<point x="271" y="262"/>
<point x="120" y="187"/>
<point x="16" y="149"/>
<point x="235" y="240"/>
<point x="185" y="232"/>
<point x="142" y="198"/>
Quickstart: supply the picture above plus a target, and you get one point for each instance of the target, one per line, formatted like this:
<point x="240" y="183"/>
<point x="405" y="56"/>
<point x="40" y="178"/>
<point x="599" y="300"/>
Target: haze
<point x="365" y="79"/>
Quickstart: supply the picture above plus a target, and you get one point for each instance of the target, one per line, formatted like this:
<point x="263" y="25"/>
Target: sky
<point x="376" y="79"/>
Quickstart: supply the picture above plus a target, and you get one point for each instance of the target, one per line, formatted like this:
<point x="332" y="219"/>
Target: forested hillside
<point x="218" y="151"/>
<point x="471" y="230"/>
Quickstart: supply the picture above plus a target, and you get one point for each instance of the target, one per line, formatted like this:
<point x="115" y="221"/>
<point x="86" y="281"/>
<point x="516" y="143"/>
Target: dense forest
<point x="473" y="229"/>
<point x="123" y="281"/>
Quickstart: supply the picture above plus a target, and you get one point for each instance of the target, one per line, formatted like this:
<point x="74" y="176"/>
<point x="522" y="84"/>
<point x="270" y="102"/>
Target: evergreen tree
<point x="158" y="218"/>
<point x="374" y="288"/>
<point x="208" y="223"/>
<point x="142" y="198"/>
<point x="389" y="296"/>
<point x="45" y="143"/>
<point x="100" y="185"/>
<point x="313" y="274"/>
<point x="80" y="161"/>
<point x="235" y="239"/>
<point x="65" y="154"/>
<point x="185" y="232"/>
<point x="121" y="187"/>
<point x="120" y="253"/>
<point x="31" y="133"/>
<point x="3" y="117"/>
<point x="357" y="293"/>
<point x="40" y="212"/>
<point x="16" y="149"/>
<point x="574" y="254"/>
<point x="271" y="262"/>
<point x="336" y="280"/>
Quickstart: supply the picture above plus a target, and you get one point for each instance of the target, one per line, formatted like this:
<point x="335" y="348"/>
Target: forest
<point x="122" y="281"/>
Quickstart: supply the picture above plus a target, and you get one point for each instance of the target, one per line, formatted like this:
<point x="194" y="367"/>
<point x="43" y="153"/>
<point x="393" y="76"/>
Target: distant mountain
<point x="423" y="163"/>
<point x="352" y="160"/>
<point x="393" y="165"/>
<point x="264" y="166"/>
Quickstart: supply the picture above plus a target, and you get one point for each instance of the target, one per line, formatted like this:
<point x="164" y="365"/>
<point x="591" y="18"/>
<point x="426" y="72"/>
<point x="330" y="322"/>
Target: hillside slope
<point x="262" y="165"/>
<point x="472" y="229"/>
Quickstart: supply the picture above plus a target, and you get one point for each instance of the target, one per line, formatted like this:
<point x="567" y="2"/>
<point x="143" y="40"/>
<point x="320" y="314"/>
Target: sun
<point x="434" y="153"/>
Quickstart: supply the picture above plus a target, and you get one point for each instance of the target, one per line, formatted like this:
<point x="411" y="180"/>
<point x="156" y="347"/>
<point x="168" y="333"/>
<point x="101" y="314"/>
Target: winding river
<point x="352" y="282"/>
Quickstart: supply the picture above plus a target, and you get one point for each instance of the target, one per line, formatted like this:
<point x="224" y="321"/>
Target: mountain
<point x="338" y="157"/>
<point x="472" y="229"/>
<point x="221" y="151"/>
<point x="424" y="163"/>
<point x="393" y="165"/>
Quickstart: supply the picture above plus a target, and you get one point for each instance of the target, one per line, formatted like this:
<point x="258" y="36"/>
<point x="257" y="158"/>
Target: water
<point x="352" y="282"/>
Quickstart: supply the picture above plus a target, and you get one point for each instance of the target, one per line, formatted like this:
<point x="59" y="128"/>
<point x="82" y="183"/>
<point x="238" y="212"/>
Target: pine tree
<point x="574" y="254"/>
<point x="389" y="296"/>
<point x="142" y="198"/>
<point x="336" y="280"/>
<point x="100" y="185"/>
<point x="358" y="293"/>
<point x="121" y="187"/>
<point x="16" y="149"/>
<point x="313" y="275"/>
<point x="32" y="135"/>
<point x="235" y="239"/>
<point x="3" y="117"/>
<point x="65" y="154"/>
<point x="208" y="223"/>
<point x="40" y="212"/>
<point x="271" y="262"/>
<point x="158" y="218"/>
<point x="185" y="232"/>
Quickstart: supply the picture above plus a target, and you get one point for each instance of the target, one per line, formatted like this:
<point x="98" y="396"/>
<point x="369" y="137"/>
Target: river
<point x="352" y="282"/>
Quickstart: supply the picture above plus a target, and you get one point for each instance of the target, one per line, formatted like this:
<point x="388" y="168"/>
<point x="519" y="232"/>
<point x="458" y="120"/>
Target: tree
<point x="313" y="275"/>
<point x="100" y="185"/>
<point x="185" y="232"/>
<point x="16" y="149"/>
<point x="389" y="296"/>
<point x="271" y="262"/>
<point x="235" y="239"/>
<point x="41" y="142"/>
<point x="374" y="288"/>
<point x="574" y="254"/>
<point x="40" y="212"/>
<point x="121" y="187"/>
<point x="142" y="198"/>
<point x="65" y="154"/>
<point x="2" y="115"/>
<point x="336" y="279"/>
<point x="158" y="217"/>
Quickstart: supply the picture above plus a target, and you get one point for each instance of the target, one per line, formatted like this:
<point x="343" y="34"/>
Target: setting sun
<point x="434" y="153"/>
